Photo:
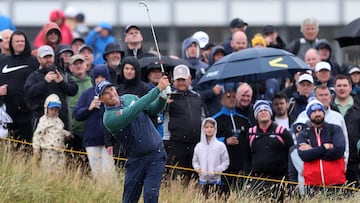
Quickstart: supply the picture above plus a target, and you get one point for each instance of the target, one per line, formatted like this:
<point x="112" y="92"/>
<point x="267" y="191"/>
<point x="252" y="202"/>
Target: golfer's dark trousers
<point x="144" y="171"/>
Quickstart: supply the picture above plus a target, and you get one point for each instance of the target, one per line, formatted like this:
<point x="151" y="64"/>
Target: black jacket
<point x="37" y="89"/>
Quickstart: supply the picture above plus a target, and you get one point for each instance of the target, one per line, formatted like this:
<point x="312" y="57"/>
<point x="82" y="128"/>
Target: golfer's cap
<point x="128" y="27"/>
<point x="181" y="72"/>
<point x="306" y="77"/>
<point x="75" y="58"/>
<point x="202" y="37"/>
<point x="323" y="65"/>
<point x="354" y="69"/>
<point x="45" y="50"/>
<point x="100" y="87"/>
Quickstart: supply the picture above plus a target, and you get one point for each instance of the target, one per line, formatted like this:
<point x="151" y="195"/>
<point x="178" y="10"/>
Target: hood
<point x="213" y="51"/>
<point x="52" y="98"/>
<point x="186" y="43"/>
<point x="100" y="69"/>
<point x="203" y="136"/>
<point x="105" y="25"/>
<point x="61" y="48"/>
<point x="47" y="27"/>
<point x="27" y="49"/>
<point x="133" y="61"/>
<point x="55" y="14"/>
<point x="323" y="43"/>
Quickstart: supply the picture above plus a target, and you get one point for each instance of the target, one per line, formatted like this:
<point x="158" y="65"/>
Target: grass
<point x="21" y="180"/>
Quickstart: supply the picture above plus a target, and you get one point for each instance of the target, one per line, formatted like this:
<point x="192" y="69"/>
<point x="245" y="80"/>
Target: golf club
<point x="142" y="3"/>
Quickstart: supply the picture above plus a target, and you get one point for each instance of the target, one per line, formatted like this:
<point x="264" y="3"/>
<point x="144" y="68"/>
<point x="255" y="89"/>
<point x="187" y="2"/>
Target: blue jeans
<point x="145" y="171"/>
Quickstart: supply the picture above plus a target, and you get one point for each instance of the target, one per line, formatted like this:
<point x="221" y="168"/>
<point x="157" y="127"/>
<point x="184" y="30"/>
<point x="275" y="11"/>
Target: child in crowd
<point x="49" y="137"/>
<point x="210" y="157"/>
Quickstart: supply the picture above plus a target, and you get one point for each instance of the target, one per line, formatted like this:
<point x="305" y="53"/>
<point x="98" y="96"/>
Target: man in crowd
<point x="133" y="39"/>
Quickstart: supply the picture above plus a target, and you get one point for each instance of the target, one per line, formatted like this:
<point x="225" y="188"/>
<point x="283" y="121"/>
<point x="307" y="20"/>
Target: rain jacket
<point x="210" y="157"/>
<point x="66" y="33"/>
<point x="196" y="62"/>
<point x="323" y="166"/>
<point x="50" y="131"/>
<point x="98" y="43"/>
<point x="42" y="37"/>
<point x="130" y="124"/>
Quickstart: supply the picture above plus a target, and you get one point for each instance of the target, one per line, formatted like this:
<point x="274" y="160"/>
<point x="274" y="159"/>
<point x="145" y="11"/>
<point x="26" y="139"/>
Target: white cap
<point x="354" y="69"/>
<point x="306" y="77"/>
<point x="323" y="65"/>
<point x="45" y="50"/>
<point x="202" y="37"/>
<point x="70" y="12"/>
<point x="181" y="71"/>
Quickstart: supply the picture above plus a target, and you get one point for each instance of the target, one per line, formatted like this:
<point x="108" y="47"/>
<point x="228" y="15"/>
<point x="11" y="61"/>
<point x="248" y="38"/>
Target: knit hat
<point x="313" y="106"/>
<point x="258" y="39"/>
<point x="261" y="105"/>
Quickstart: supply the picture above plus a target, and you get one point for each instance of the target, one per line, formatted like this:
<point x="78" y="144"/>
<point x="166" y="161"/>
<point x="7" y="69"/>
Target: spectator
<point x="57" y="17"/>
<point x="312" y="57"/>
<point x="349" y="107"/>
<point x="272" y="37"/>
<point x="63" y="53"/>
<point x="216" y="53"/>
<point x="322" y="147"/>
<point x="76" y="43"/>
<point x="203" y="39"/>
<point x="244" y="94"/>
<point x="232" y="130"/>
<point x="133" y="39"/>
<point x="236" y="24"/>
<point x="70" y="14"/>
<point x="185" y="113"/>
<point x="238" y="41"/>
<point x="81" y="29"/>
<point x="113" y="55"/>
<point x="125" y="118"/>
<point x="49" y="137"/>
<point x="51" y="36"/>
<point x="14" y="71"/>
<point x="45" y="81"/>
<point x="206" y="51"/>
<point x="98" y="38"/>
<point x="309" y="30"/>
<point x="210" y="157"/>
<point x="4" y="42"/>
<point x="325" y="52"/>
<point x="190" y="51"/>
<point x="258" y="41"/>
<point x="88" y="54"/>
<point x="280" y="106"/>
<point x="354" y="72"/>
<point x="323" y="75"/>
<point x="90" y="110"/>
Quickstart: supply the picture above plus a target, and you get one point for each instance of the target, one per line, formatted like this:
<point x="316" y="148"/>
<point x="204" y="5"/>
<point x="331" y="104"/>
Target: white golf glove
<point x="165" y="93"/>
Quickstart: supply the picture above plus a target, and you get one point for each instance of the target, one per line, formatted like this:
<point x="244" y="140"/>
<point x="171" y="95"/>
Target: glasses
<point x="51" y="32"/>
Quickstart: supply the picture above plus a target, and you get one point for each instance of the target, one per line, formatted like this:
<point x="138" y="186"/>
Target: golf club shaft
<point x="142" y="3"/>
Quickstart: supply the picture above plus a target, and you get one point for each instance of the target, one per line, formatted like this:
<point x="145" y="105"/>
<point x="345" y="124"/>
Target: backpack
<point x="253" y="134"/>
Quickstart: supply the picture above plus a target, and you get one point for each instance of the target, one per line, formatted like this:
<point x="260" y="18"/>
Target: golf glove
<point x="165" y="93"/>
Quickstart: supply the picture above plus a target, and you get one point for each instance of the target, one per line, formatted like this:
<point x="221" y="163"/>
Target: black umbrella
<point x="254" y="64"/>
<point x="349" y="35"/>
<point x="169" y="63"/>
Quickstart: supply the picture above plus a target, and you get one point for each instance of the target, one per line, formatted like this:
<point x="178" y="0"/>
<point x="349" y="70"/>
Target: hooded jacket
<point x="14" y="71"/>
<point x="50" y="133"/>
<point x="210" y="157"/>
<point x="94" y="130"/>
<point x="196" y="62"/>
<point x="66" y="33"/>
<point x="213" y="51"/>
<point x="98" y="42"/>
<point x="41" y="39"/>
<point x="134" y="86"/>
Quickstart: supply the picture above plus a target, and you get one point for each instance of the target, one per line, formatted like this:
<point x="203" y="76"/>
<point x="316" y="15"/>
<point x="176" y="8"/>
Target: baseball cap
<point x="77" y="39"/>
<point x="45" y="50"/>
<point x="237" y="22"/>
<point x="100" y="87"/>
<point x="127" y="28"/>
<point x="354" y="69"/>
<point x="202" y="37"/>
<point x="85" y="46"/>
<point x="75" y="58"/>
<point x="306" y="77"/>
<point x="323" y="65"/>
<point x="54" y="104"/>
<point x="181" y="72"/>
<point x="268" y="29"/>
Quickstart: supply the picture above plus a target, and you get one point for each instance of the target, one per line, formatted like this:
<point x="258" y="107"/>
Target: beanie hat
<point x="261" y="105"/>
<point x="258" y="39"/>
<point x="314" y="105"/>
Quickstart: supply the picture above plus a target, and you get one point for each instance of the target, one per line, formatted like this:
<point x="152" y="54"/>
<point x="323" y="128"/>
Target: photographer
<point x="45" y="81"/>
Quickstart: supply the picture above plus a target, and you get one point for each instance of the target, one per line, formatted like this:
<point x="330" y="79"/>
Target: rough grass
<point x="21" y="180"/>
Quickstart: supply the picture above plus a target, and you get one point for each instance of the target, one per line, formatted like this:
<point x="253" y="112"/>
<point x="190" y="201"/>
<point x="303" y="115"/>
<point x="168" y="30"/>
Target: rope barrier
<point x="249" y="177"/>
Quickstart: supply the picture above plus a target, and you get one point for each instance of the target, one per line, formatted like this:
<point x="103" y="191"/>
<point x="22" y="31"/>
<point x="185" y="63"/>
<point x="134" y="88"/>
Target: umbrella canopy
<point x="254" y="64"/>
<point x="349" y="35"/>
<point x="169" y="63"/>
